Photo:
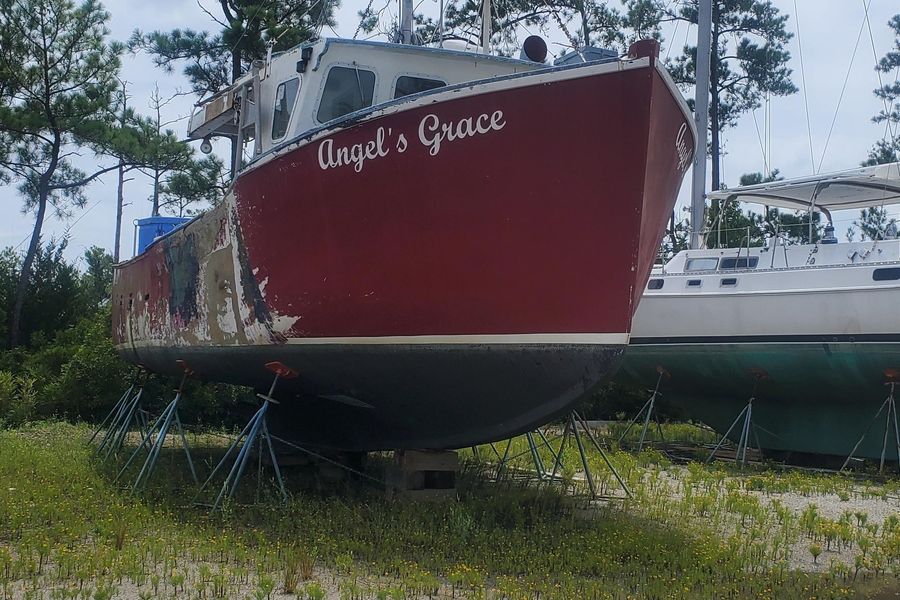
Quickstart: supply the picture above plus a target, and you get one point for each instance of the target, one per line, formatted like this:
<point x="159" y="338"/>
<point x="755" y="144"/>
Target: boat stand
<point x="574" y="427"/>
<point x="647" y="410"/>
<point x="574" y="422"/>
<point x="161" y="428"/>
<point x="121" y="419"/>
<point x="745" y="417"/>
<point x="890" y="419"/>
<point x="504" y="459"/>
<point x="255" y="432"/>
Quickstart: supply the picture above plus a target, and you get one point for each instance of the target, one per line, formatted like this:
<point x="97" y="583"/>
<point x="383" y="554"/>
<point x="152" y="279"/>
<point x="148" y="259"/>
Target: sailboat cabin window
<point x="744" y="262"/>
<point x="285" y="96"/>
<point x="407" y="85"/>
<point x="886" y="274"/>
<point x="347" y="89"/>
<point x="701" y="264"/>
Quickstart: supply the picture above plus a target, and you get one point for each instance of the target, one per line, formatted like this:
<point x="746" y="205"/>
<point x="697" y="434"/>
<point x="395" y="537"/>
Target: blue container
<point x="155" y="227"/>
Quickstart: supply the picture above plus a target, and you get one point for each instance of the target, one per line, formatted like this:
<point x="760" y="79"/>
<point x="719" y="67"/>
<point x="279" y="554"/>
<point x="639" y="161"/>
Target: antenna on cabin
<point x="701" y="118"/>
<point x="441" y="27"/>
<point x="406" y="21"/>
<point x="486" y="26"/>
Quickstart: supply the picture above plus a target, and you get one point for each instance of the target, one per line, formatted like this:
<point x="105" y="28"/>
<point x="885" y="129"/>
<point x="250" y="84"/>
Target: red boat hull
<point x="440" y="273"/>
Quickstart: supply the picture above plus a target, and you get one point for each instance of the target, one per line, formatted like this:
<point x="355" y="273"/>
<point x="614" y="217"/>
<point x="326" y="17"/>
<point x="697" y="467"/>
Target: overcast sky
<point x="829" y="31"/>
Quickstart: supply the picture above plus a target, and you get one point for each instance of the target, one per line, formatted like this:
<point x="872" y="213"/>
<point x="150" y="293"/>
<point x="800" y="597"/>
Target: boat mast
<point x="486" y="26"/>
<point x="701" y="118"/>
<point x="406" y="21"/>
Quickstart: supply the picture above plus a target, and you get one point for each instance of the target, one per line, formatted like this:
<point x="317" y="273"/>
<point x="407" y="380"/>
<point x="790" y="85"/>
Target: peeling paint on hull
<point x="486" y="294"/>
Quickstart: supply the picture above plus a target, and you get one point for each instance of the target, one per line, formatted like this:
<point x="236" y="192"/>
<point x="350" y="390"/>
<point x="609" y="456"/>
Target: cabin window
<point x="347" y="89"/>
<point x="888" y="274"/>
<point x="285" y="96"/>
<point x="693" y="283"/>
<point x="738" y="263"/>
<point x="407" y="85"/>
<point x="729" y="281"/>
<point x="656" y="284"/>
<point x="701" y="264"/>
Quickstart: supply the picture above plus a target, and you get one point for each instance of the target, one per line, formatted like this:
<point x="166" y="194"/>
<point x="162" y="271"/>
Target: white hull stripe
<point x="514" y="338"/>
<point x="604" y="339"/>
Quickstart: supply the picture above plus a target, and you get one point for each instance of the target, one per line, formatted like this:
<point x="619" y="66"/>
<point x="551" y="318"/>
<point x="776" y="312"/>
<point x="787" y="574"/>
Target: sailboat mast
<point x="406" y="21"/>
<point x="701" y="118"/>
<point x="486" y="26"/>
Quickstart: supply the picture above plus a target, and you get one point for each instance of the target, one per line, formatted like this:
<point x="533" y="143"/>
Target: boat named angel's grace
<point x="447" y="247"/>
<point x="812" y="331"/>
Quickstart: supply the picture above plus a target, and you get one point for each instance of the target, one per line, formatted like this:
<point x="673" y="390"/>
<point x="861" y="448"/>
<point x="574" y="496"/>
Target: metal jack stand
<point x="891" y="419"/>
<point x="648" y="407"/>
<point x="571" y="429"/>
<point x="161" y="427"/>
<point x="747" y="427"/>
<point x="533" y="450"/>
<point x="257" y="430"/>
<point x="121" y="419"/>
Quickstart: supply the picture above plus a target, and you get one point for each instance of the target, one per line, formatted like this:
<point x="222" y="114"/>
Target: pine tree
<point x="248" y="28"/>
<point x="583" y="22"/>
<point x="213" y="60"/>
<point x="59" y="76"/>
<point x="887" y="150"/>
<point x="749" y="62"/>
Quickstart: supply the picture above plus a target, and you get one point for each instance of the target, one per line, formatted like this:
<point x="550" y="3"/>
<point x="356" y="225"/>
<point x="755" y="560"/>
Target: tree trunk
<point x="25" y="273"/>
<point x="120" y="193"/>
<point x="672" y="239"/>
<point x="120" y="200"/>
<point x="585" y="28"/>
<point x="156" y="176"/>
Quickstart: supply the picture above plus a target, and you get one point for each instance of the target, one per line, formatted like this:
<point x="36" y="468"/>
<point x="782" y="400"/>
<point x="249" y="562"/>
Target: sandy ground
<point x="831" y="507"/>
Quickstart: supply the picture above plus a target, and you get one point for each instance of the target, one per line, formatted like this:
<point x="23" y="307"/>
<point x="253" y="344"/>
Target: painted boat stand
<point x="574" y="422"/>
<point x="255" y="432"/>
<point x="747" y="427"/>
<point x="161" y="428"/>
<point x="890" y="419"/>
<point x="647" y="410"/>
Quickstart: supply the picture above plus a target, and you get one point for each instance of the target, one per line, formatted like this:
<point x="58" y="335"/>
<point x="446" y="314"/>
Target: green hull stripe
<point x="816" y="397"/>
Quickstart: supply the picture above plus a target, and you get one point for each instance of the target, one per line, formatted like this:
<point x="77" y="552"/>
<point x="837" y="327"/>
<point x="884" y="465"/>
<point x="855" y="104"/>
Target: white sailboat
<point x="811" y="330"/>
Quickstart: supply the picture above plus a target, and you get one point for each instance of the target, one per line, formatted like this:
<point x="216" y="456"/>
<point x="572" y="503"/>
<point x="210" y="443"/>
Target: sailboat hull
<point x="813" y="341"/>
<point x="818" y="397"/>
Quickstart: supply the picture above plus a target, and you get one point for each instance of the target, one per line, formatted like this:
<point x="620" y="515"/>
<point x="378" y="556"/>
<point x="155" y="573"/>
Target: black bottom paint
<point x="383" y="397"/>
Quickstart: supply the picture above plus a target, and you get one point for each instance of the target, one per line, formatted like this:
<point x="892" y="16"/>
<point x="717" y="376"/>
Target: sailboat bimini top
<point x="854" y="188"/>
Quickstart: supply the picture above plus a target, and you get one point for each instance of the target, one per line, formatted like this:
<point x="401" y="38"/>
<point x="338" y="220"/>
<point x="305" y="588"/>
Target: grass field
<point x="698" y="532"/>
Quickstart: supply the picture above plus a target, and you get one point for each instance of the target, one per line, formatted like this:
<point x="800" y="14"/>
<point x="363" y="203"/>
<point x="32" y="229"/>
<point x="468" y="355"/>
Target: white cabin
<point x="319" y="84"/>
